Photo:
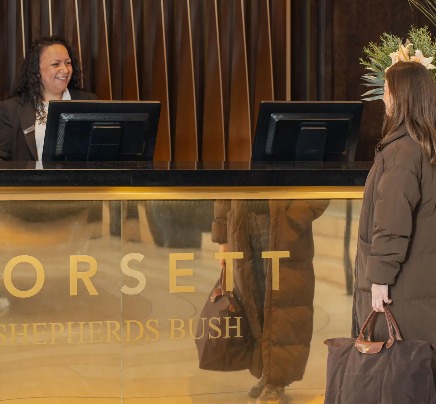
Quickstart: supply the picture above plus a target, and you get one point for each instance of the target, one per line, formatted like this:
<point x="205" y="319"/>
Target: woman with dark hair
<point x="50" y="71"/>
<point x="396" y="251"/>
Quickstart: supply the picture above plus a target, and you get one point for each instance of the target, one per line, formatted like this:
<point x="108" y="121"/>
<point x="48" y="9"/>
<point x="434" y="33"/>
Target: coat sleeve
<point x="5" y="133"/>
<point x="398" y="194"/>
<point x="301" y="213"/>
<point x="219" y="224"/>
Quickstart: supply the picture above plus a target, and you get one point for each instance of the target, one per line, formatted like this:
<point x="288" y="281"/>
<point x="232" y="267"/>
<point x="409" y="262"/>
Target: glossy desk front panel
<point x="101" y="291"/>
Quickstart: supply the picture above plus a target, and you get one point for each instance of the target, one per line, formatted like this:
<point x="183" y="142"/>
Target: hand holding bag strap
<point x="373" y="347"/>
<point x="220" y="291"/>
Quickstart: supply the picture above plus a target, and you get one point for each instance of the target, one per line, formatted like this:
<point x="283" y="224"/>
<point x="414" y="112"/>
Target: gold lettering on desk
<point x="275" y="256"/>
<point x="71" y="332"/>
<point x="56" y="331"/>
<point x="7" y="276"/>
<point x="175" y="273"/>
<point x="86" y="276"/>
<point x="138" y="275"/>
<point x="178" y="328"/>
<point x="84" y="267"/>
<point x="82" y="332"/>
<point x="15" y="333"/>
<point x="39" y="333"/>
<point x="229" y="257"/>
<point x="110" y="331"/>
<point x="152" y="325"/>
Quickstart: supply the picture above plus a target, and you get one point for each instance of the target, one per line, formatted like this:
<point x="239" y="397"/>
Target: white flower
<point x="403" y="51"/>
<point x="419" y="57"/>
<point x="402" y="54"/>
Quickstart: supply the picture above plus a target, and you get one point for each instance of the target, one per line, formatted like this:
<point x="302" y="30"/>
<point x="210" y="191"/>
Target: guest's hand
<point x="379" y="294"/>
<point x="223" y="248"/>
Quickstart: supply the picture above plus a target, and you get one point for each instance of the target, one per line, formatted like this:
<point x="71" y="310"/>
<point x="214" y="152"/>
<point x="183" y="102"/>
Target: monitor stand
<point x="311" y="141"/>
<point x="104" y="142"/>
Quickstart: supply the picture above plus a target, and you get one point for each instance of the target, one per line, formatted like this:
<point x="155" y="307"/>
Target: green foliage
<point x="378" y="57"/>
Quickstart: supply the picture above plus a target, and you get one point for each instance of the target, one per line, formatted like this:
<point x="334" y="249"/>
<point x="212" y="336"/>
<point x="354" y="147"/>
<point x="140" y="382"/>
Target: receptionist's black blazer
<point x="17" y="127"/>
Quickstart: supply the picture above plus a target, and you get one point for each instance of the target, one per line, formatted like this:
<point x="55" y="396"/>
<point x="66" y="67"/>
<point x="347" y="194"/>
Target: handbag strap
<point x="371" y="347"/>
<point x="393" y="324"/>
<point x="221" y="291"/>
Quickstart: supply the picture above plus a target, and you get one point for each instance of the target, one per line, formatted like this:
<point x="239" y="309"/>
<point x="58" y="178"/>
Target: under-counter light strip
<point x="177" y="193"/>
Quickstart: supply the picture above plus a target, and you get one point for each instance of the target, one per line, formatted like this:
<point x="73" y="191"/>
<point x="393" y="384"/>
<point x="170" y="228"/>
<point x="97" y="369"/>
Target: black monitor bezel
<point x="58" y="107"/>
<point x="305" y="109"/>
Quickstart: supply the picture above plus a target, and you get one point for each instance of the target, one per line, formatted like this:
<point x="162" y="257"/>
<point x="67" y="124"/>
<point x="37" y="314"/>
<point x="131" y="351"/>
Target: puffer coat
<point x="397" y="238"/>
<point x="282" y="323"/>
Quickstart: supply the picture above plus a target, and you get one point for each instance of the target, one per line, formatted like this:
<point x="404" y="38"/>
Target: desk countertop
<point x="188" y="174"/>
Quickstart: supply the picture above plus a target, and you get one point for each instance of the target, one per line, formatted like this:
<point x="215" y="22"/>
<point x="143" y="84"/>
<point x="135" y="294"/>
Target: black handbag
<point x="388" y="372"/>
<point x="223" y="337"/>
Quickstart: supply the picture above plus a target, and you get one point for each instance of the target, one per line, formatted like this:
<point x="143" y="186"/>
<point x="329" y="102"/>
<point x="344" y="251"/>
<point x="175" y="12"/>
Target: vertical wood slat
<point x="213" y="145"/>
<point x="70" y="32"/>
<point x="5" y="51"/>
<point x="185" y="133"/>
<point x="21" y="36"/>
<point x="280" y="30"/>
<point x="85" y="39"/>
<point x="130" y="88"/>
<point x="116" y="22"/>
<point x="199" y="97"/>
<point x="239" y="141"/>
<point x="159" y="89"/>
<point x="225" y="24"/>
<point x="264" y="83"/>
<point x="103" y="83"/>
<point x="58" y="18"/>
<point x="35" y="17"/>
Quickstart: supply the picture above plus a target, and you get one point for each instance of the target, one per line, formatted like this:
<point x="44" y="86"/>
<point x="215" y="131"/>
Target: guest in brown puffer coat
<point x="280" y="320"/>
<point x="396" y="254"/>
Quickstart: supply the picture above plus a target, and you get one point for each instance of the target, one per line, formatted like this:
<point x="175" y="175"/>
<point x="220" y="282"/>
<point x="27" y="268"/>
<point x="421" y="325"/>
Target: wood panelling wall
<point x="210" y="62"/>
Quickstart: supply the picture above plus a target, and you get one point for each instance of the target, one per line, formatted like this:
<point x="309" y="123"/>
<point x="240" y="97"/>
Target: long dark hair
<point x="413" y="110"/>
<point x="29" y="85"/>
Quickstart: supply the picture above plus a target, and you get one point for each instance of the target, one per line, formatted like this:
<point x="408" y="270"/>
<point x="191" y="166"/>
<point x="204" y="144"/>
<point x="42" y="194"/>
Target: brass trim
<point x="176" y="193"/>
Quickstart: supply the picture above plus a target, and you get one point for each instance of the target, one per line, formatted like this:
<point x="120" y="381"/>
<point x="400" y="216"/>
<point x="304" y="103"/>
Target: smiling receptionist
<point x="49" y="72"/>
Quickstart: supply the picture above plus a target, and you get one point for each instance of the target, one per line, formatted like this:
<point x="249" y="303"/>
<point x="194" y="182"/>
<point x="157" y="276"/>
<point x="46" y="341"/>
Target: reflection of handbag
<point x="223" y="338"/>
<point x="389" y="372"/>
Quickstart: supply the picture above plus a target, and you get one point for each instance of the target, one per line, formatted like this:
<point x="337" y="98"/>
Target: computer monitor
<point x="307" y="131"/>
<point x="101" y="130"/>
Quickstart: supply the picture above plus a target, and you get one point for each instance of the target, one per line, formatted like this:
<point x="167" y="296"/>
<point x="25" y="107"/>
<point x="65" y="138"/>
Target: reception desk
<point x="105" y="268"/>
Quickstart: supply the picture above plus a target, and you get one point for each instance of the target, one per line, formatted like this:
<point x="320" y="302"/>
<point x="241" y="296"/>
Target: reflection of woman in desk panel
<point x="281" y="320"/>
<point x="49" y="72"/>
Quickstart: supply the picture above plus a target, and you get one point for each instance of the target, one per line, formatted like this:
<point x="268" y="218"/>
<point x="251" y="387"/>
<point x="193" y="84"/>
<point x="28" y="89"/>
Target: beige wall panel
<point x="264" y="84"/>
<point x="213" y="121"/>
<point x="239" y="142"/>
<point x="185" y="134"/>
